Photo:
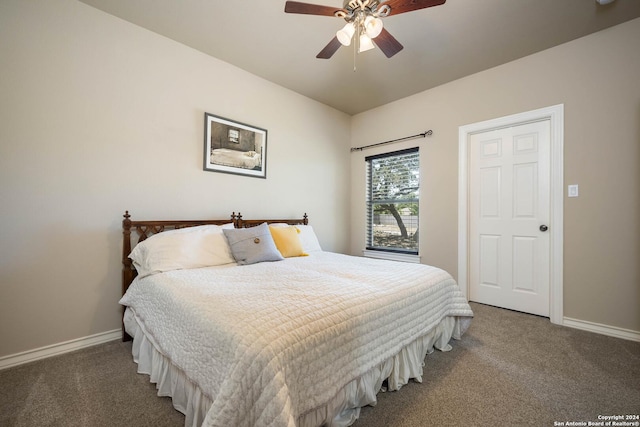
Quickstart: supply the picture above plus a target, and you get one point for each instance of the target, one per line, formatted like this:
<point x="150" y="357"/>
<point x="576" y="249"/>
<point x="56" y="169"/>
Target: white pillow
<point x="191" y="247"/>
<point x="307" y="236"/>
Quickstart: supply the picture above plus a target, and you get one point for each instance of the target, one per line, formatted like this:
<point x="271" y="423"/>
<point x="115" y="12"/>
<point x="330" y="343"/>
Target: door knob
<point x="543" y="228"/>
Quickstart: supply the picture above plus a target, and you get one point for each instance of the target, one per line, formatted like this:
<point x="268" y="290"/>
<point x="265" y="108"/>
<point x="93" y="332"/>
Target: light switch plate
<point x="573" y="190"/>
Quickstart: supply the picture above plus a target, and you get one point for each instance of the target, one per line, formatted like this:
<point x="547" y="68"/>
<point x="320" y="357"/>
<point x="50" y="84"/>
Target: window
<point x="234" y="136"/>
<point x="393" y="187"/>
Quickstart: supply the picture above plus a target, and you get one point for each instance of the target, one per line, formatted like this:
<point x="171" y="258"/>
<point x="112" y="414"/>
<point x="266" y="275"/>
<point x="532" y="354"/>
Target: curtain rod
<point x="423" y="135"/>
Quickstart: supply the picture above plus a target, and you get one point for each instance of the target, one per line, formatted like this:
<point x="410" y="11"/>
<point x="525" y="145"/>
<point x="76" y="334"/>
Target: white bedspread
<point x="270" y="342"/>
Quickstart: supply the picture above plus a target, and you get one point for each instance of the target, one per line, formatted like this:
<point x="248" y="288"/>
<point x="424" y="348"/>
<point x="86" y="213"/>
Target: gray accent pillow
<point x="251" y="245"/>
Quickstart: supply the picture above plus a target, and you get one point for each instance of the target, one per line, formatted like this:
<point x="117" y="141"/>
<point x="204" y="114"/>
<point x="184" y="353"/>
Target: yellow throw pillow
<point x="287" y="241"/>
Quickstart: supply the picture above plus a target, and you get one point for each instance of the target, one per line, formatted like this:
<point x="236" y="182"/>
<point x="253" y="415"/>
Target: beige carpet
<point x="509" y="369"/>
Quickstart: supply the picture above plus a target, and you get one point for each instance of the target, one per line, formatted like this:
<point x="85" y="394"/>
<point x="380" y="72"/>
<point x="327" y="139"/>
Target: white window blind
<point x="393" y="188"/>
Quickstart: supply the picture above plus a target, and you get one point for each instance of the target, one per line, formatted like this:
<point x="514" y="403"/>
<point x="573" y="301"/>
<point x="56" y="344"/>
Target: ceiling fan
<point x="363" y="20"/>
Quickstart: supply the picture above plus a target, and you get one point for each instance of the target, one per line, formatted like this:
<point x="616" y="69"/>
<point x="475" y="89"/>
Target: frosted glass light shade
<point x="365" y="43"/>
<point x="346" y="33"/>
<point x="373" y="26"/>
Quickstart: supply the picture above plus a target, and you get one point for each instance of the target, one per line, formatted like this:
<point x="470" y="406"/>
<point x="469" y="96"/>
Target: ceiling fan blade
<point x="387" y="43"/>
<point x="402" y="6"/>
<point x="310" y="9"/>
<point x="329" y="49"/>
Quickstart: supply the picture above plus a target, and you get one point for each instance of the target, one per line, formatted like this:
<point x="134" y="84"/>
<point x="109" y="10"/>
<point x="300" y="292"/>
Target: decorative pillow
<point x="307" y="236"/>
<point x="287" y="241"/>
<point x="252" y="245"/>
<point x="190" y="247"/>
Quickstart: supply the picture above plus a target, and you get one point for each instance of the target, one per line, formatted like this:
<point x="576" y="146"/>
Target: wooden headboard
<point x="246" y="223"/>
<point x="145" y="229"/>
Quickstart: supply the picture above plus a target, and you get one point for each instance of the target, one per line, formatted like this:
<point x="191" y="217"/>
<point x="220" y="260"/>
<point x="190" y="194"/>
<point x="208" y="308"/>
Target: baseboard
<point x="598" y="328"/>
<point x="60" y="348"/>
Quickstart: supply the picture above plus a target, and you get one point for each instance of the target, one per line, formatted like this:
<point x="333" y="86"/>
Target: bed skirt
<point x="342" y="410"/>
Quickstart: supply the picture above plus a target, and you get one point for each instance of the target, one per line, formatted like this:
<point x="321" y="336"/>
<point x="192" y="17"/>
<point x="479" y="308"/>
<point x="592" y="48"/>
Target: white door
<point x="509" y="212"/>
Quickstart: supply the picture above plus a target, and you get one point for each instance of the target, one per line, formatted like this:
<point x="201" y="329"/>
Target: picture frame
<point x="234" y="147"/>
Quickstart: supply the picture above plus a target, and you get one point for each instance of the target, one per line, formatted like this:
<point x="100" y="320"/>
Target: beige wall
<point x="597" y="80"/>
<point x="98" y="116"/>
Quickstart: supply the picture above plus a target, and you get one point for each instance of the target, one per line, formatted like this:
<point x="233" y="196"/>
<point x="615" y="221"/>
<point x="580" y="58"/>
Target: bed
<point x="235" y="158"/>
<point x="296" y="337"/>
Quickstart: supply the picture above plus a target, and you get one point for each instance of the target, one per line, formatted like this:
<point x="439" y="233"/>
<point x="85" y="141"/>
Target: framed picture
<point x="233" y="147"/>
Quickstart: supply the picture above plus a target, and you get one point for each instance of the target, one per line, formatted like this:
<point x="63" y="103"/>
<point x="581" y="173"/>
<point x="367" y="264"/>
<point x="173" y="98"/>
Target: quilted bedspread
<point x="269" y="342"/>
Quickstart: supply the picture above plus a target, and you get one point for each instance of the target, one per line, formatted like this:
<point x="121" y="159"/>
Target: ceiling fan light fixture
<point x="363" y="17"/>
<point x="365" y="43"/>
<point x="373" y="26"/>
<point x="345" y="34"/>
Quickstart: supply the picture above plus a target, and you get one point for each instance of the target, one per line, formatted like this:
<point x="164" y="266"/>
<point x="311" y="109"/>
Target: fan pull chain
<point x="356" y="45"/>
<point x="354" y="57"/>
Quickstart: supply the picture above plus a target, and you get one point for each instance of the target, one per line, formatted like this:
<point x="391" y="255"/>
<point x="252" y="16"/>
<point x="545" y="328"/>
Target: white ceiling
<point x="441" y="43"/>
